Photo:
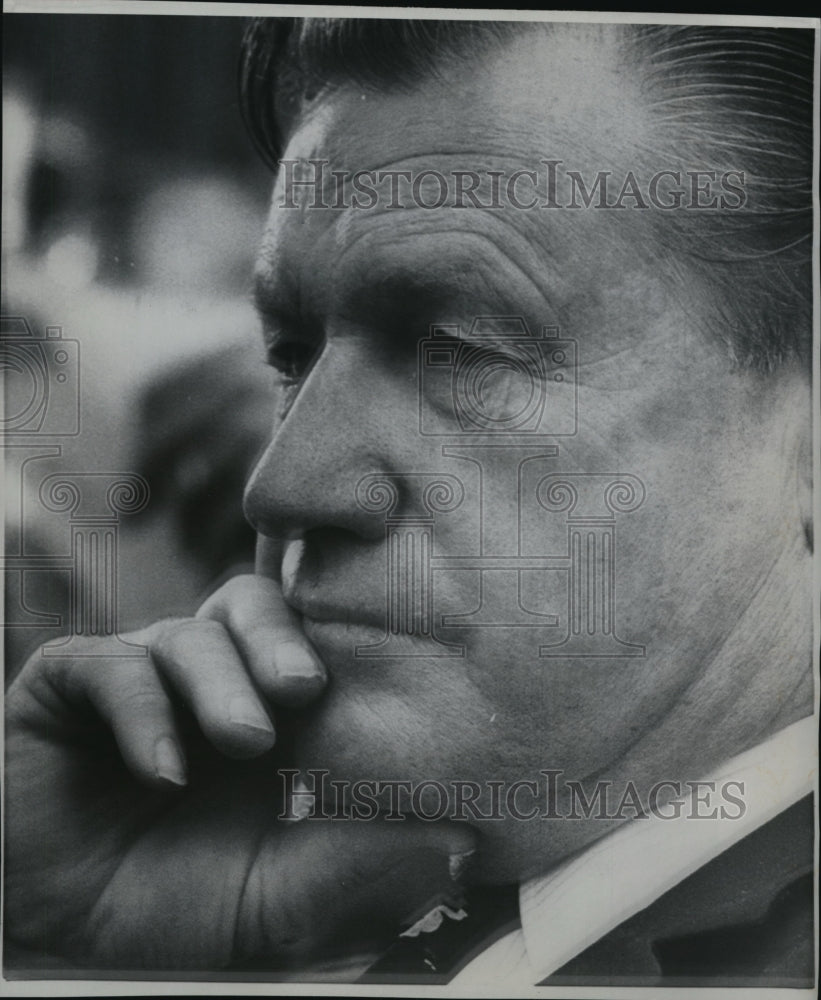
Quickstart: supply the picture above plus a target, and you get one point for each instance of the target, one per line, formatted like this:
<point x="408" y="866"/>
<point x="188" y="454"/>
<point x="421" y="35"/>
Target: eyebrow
<point x="403" y="288"/>
<point x="416" y="295"/>
<point x="412" y="290"/>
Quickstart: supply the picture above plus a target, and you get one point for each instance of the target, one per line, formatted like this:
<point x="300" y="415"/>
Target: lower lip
<point x="342" y="634"/>
<point x="354" y="640"/>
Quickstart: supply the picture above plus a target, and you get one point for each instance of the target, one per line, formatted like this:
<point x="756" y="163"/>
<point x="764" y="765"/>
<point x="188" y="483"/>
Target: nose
<point x="341" y="427"/>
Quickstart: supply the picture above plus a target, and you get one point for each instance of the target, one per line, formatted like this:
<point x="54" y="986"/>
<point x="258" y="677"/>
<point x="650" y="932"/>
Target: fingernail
<point x="458" y="864"/>
<point x="168" y="762"/>
<point x="293" y="659"/>
<point x="243" y="712"/>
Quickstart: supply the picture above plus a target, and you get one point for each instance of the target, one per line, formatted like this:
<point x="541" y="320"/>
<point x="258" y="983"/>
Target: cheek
<point x="692" y="558"/>
<point x="683" y="566"/>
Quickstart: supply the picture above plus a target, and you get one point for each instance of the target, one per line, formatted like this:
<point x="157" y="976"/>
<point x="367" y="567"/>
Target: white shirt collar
<point x="597" y="890"/>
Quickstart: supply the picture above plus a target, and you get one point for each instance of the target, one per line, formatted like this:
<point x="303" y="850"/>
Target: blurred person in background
<point x="105" y="237"/>
<point x="202" y="426"/>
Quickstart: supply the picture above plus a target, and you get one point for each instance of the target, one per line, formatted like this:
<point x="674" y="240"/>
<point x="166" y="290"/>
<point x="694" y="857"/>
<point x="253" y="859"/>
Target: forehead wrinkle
<point x="362" y="265"/>
<point x="345" y="126"/>
<point x="538" y="241"/>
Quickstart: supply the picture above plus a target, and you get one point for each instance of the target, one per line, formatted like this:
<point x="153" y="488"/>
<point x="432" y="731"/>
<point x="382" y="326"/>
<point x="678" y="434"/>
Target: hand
<point x="122" y="854"/>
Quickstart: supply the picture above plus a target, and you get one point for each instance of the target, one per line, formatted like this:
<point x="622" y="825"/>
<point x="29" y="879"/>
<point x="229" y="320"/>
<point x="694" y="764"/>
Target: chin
<point x="362" y="735"/>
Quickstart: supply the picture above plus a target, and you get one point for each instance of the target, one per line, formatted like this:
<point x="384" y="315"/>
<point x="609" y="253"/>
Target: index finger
<point x="269" y="637"/>
<point x="268" y="557"/>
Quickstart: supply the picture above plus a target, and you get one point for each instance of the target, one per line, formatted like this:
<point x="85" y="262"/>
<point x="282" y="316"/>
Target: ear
<point x="788" y="413"/>
<point x="805" y="491"/>
<point x="804" y="453"/>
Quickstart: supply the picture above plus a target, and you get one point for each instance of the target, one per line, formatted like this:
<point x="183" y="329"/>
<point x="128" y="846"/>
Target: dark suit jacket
<point x="744" y="919"/>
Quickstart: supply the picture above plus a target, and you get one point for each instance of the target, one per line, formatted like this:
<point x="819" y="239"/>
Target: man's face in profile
<point x="712" y="566"/>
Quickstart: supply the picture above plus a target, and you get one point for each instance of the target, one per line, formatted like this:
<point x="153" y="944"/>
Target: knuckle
<point x="256" y="632"/>
<point x="40" y="663"/>
<point x="182" y="635"/>
<point x="138" y="693"/>
<point x="244" y="615"/>
<point x="221" y="603"/>
<point x="239" y="584"/>
<point x="81" y="673"/>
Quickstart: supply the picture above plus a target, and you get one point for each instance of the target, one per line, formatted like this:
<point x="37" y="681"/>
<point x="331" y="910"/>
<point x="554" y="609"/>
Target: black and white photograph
<point x="411" y="453"/>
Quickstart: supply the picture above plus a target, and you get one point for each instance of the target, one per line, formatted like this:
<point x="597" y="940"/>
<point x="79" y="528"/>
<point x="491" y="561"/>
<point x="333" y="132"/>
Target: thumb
<point x="324" y="886"/>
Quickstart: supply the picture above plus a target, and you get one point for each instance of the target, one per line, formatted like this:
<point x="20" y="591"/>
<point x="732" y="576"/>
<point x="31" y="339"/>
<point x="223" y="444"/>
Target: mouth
<point x="340" y="629"/>
<point x="333" y="626"/>
<point x="337" y="632"/>
<point x="316" y="610"/>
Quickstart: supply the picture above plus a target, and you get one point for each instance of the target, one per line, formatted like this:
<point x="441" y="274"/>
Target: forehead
<point x="559" y="92"/>
<point x="562" y="85"/>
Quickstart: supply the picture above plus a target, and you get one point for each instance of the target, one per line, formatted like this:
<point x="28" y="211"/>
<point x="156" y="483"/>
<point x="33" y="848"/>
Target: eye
<point x="291" y="357"/>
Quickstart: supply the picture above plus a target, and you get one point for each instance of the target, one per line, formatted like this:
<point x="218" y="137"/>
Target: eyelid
<point x="290" y="353"/>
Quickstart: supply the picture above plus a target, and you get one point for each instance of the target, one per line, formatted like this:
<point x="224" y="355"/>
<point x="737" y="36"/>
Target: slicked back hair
<point x="719" y="97"/>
